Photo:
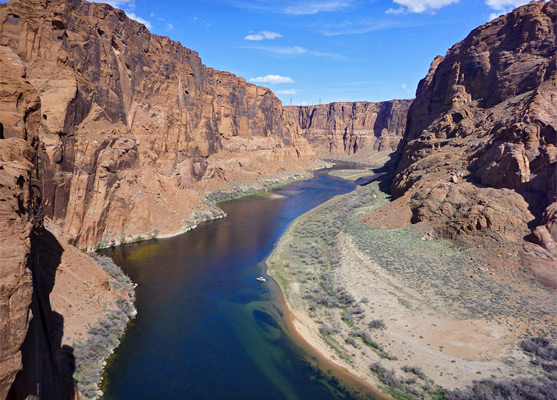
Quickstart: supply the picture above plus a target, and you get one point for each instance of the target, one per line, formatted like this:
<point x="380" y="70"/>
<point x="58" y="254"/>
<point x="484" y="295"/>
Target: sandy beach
<point x="402" y="301"/>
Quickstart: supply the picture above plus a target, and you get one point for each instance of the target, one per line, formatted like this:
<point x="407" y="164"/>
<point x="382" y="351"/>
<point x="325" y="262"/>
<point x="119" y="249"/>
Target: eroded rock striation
<point x="133" y="125"/>
<point x="31" y="355"/>
<point x="45" y="283"/>
<point x="344" y="128"/>
<point x="479" y="157"/>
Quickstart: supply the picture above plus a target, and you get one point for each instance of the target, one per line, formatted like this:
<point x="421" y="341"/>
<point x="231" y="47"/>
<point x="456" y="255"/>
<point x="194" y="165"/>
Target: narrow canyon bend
<point x="110" y="134"/>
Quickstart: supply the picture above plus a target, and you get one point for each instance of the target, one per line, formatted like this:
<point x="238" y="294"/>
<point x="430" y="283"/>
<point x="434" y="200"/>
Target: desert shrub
<point x="366" y="337"/>
<point x="120" y="279"/>
<point x="368" y="340"/>
<point x="541" y="347"/>
<point x="327" y="329"/>
<point x="414" y="370"/>
<point x="355" y="332"/>
<point x="344" y="296"/>
<point x="346" y="316"/>
<point x="357" y="310"/>
<point x="411" y="380"/>
<point x="104" y="336"/>
<point x="549" y="367"/>
<point x="386" y="376"/>
<point x="326" y="300"/>
<point x="523" y="389"/>
<point x="376" y="324"/>
<point x="377" y="368"/>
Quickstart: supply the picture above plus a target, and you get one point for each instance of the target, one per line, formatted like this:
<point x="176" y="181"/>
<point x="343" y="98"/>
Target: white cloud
<point x="119" y="3"/>
<point x="403" y="86"/>
<point x="139" y="19"/>
<point x="314" y="7"/>
<point x="261" y="35"/>
<point x="419" y="6"/>
<point x="360" y="26"/>
<point x="294" y="51"/>
<point x="272" y="79"/>
<point x="195" y="19"/>
<point x="288" y="91"/>
<point x="169" y="26"/>
<point x="284" y="51"/>
<point x="505" y="5"/>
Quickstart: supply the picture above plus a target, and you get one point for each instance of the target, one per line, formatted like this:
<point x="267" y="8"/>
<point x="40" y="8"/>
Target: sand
<point x="421" y="330"/>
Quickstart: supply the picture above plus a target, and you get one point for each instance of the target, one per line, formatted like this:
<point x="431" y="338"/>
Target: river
<point x="205" y="328"/>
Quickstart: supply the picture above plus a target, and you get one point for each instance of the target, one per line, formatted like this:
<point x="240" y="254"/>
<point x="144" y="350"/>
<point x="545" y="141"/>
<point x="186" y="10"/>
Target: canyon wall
<point x="106" y="133"/>
<point x="344" y="128"/>
<point x="479" y="157"/>
<point x="46" y="284"/>
<point x="133" y="127"/>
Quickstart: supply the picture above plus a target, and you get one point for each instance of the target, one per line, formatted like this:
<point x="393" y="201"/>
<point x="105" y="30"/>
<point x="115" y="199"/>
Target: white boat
<point x="261" y="279"/>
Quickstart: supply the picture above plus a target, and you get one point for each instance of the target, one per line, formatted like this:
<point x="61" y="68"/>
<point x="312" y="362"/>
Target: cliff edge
<point x="479" y="157"/>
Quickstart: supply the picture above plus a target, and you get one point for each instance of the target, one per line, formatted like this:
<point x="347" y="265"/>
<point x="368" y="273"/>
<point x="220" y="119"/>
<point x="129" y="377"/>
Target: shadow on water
<point x="205" y="327"/>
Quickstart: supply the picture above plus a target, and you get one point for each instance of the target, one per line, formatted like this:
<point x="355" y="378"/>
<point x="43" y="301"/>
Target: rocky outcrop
<point x="18" y="217"/>
<point x="31" y="356"/>
<point x="16" y="225"/>
<point x="133" y="126"/>
<point x="42" y="277"/>
<point x="479" y="158"/>
<point x="343" y="129"/>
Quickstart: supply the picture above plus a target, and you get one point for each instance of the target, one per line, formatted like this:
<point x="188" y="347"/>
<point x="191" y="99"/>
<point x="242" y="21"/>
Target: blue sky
<point x="319" y="50"/>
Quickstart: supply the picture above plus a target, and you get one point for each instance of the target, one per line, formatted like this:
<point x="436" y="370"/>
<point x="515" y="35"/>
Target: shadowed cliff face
<point x="341" y="129"/>
<point x="31" y="354"/>
<point x="129" y="119"/>
<point x="479" y="159"/>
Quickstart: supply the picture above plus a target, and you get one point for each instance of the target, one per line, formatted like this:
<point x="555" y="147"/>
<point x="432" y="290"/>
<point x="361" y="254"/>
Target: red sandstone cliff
<point x="45" y="283"/>
<point x="133" y="125"/>
<point x="30" y="348"/>
<point x="479" y="159"/>
<point x="342" y="129"/>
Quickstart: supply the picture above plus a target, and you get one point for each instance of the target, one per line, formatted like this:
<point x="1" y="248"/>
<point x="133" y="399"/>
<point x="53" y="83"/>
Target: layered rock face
<point x="31" y="356"/>
<point x="479" y="158"/>
<point x="17" y="214"/>
<point x="343" y="129"/>
<point x="133" y="125"/>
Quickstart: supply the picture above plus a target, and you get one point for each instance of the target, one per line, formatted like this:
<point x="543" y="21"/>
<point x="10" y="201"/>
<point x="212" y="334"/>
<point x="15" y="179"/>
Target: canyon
<point x="110" y="134"/>
<point x="355" y="129"/>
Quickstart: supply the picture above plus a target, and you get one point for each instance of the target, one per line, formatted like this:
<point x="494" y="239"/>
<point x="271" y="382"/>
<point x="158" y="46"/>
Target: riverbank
<point x="98" y="335"/>
<point x="402" y="309"/>
<point x="198" y="300"/>
<point x="204" y="208"/>
<point x="93" y="300"/>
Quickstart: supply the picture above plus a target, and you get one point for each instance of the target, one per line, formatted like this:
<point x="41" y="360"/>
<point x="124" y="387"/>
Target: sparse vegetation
<point x="376" y="324"/>
<point x="541" y="347"/>
<point x="439" y="272"/>
<point x="239" y="190"/>
<point x="119" y="279"/>
<point x="104" y="336"/>
<point x="517" y="389"/>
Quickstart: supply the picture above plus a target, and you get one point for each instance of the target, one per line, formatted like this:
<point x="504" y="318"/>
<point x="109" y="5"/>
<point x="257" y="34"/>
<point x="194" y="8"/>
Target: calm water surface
<point x="206" y="329"/>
